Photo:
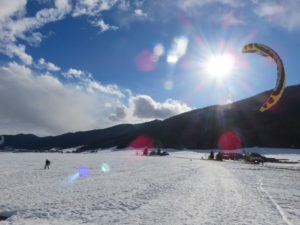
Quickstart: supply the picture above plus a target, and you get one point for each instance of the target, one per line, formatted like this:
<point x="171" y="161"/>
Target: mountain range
<point x="235" y="125"/>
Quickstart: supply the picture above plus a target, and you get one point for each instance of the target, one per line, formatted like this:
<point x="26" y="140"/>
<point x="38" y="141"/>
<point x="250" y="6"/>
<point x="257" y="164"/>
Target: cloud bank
<point x="41" y="104"/>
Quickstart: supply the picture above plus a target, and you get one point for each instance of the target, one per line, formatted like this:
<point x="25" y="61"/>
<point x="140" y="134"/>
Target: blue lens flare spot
<point x="72" y="178"/>
<point x="83" y="171"/>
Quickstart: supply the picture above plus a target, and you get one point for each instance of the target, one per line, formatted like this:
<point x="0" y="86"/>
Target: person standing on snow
<point x="47" y="164"/>
<point x="211" y="156"/>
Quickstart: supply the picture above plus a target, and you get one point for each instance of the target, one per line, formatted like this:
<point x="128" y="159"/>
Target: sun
<point x="219" y="66"/>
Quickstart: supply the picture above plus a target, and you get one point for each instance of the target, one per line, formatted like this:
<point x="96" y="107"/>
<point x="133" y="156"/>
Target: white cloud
<point x="11" y="7"/>
<point x="92" y="7"/>
<point x="285" y="14"/>
<point x="48" y="65"/>
<point x="269" y="9"/>
<point x="42" y="104"/>
<point x="14" y="25"/>
<point x="33" y="39"/>
<point x="91" y="85"/>
<point x="63" y="5"/>
<point x="191" y="4"/>
<point x="104" y="26"/>
<point x="140" y="13"/>
<point x="143" y="108"/>
<point x="229" y="19"/>
<point x="110" y="89"/>
<point x="282" y="13"/>
<point x="119" y="114"/>
<point x="74" y="73"/>
<point x="47" y="15"/>
<point x="124" y="5"/>
<point x="17" y="50"/>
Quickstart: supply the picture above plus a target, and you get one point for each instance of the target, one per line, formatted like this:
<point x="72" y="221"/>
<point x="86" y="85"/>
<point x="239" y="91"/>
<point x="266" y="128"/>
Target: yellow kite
<point x="278" y="90"/>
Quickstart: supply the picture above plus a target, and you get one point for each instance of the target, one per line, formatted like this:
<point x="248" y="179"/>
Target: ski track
<point x="282" y="213"/>
<point x="145" y="190"/>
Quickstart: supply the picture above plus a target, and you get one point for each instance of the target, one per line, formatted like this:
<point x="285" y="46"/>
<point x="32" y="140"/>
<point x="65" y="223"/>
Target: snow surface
<point x="119" y="187"/>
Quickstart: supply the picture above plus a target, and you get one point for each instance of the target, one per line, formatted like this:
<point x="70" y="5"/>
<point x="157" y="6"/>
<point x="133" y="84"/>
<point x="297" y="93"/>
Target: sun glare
<point x="220" y="66"/>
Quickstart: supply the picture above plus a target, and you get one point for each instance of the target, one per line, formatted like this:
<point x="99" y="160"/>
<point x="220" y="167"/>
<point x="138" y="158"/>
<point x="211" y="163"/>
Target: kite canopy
<point x="268" y="52"/>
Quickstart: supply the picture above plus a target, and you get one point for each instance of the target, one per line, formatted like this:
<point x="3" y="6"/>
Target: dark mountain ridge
<point x="196" y="129"/>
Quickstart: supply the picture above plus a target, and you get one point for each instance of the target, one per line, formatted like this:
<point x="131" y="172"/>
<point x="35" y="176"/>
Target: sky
<point x="68" y="65"/>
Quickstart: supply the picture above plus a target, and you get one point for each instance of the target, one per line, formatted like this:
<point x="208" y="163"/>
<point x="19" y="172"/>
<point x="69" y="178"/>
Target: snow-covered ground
<point x="119" y="187"/>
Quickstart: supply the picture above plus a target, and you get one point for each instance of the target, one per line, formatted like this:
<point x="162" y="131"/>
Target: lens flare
<point x="83" y="171"/>
<point x="158" y="50"/>
<point x="172" y="59"/>
<point x="145" y="61"/>
<point x="178" y="49"/>
<point x="168" y="85"/>
<point x="142" y="141"/>
<point x="229" y="141"/>
<point x="72" y="178"/>
<point x="105" y="168"/>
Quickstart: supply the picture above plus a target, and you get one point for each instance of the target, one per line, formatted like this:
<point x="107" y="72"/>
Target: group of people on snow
<point x="153" y="152"/>
<point x="219" y="156"/>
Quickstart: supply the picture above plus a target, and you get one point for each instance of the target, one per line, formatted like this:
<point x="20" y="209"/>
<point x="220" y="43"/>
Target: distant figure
<point x="145" y="152"/>
<point x="158" y="151"/>
<point x="219" y="156"/>
<point x="211" y="156"/>
<point x="47" y="164"/>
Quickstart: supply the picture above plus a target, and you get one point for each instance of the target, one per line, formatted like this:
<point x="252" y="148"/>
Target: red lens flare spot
<point x="229" y="141"/>
<point x="145" y="61"/>
<point x="142" y="141"/>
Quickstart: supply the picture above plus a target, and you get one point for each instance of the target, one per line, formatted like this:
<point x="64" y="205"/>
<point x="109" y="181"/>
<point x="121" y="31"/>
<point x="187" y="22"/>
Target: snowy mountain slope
<point x="122" y="188"/>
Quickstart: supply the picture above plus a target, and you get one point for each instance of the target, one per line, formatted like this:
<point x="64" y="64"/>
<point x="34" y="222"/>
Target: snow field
<point x="176" y="189"/>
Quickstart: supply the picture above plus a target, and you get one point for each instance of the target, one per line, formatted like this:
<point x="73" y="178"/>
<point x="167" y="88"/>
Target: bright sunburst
<point x="219" y="66"/>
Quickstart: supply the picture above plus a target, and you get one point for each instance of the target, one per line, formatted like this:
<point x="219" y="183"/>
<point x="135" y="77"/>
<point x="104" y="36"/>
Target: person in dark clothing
<point x="219" y="156"/>
<point x="158" y="151"/>
<point x="211" y="156"/>
<point x="47" y="164"/>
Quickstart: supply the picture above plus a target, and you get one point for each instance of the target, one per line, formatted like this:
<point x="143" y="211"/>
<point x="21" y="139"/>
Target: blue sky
<point x="79" y="65"/>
